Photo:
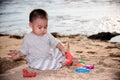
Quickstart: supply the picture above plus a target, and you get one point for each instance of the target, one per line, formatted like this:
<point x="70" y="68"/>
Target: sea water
<point x="85" y="17"/>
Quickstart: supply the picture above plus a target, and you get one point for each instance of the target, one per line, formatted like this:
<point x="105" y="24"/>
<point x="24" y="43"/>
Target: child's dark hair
<point x="38" y="13"/>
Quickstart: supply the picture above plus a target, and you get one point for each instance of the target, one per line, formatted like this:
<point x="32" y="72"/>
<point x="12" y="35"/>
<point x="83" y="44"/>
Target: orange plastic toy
<point x="79" y="65"/>
<point x="27" y="74"/>
<point x="69" y="58"/>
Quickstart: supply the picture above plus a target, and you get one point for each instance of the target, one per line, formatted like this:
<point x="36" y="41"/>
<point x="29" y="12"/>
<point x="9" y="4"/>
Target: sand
<point x="104" y="55"/>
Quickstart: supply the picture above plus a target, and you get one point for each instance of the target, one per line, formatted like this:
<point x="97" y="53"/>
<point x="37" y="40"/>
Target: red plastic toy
<point x="69" y="58"/>
<point x="27" y="74"/>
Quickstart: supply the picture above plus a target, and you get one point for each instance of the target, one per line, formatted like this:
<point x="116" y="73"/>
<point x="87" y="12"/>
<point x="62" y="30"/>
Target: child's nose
<point x="42" y="29"/>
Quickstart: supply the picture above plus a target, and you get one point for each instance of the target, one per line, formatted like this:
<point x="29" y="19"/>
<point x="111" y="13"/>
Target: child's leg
<point x="58" y="55"/>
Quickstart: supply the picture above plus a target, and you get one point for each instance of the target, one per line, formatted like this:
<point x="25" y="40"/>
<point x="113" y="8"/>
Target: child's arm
<point x="15" y="54"/>
<point x="62" y="48"/>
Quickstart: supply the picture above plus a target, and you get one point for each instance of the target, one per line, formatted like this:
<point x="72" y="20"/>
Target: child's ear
<point x="30" y="24"/>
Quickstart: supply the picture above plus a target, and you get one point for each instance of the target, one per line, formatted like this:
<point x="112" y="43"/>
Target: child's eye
<point x="45" y="27"/>
<point x="40" y="27"/>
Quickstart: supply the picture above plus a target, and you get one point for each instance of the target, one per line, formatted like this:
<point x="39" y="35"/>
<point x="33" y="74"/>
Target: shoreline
<point x="103" y="36"/>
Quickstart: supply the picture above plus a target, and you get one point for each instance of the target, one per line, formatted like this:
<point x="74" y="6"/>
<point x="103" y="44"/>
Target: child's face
<point x="39" y="26"/>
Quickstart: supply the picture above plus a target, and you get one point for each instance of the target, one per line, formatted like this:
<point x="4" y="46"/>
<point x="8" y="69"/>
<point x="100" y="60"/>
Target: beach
<point x="105" y="56"/>
<point x="73" y="21"/>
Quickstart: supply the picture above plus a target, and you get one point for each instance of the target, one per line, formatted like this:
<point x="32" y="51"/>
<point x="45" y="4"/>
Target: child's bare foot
<point x="63" y="64"/>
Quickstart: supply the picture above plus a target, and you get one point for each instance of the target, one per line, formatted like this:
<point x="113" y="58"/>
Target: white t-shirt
<point x="38" y="51"/>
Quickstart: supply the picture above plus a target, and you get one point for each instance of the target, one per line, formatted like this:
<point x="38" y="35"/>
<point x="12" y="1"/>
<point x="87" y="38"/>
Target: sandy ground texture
<point x="104" y="55"/>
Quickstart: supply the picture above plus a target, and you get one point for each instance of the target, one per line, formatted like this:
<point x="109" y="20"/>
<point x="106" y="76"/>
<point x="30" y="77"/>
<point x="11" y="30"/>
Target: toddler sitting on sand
<point x="37" y="45"/>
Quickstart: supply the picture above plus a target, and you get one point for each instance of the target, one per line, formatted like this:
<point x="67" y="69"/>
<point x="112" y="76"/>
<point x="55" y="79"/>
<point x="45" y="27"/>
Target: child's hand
<point x="62" y="48"/>
<point x="64" y="51"/>
<point x="13" y="54"/>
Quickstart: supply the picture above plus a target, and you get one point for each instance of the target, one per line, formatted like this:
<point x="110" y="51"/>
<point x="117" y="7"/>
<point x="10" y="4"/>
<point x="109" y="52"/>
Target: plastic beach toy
<point x="27" y="74"/>
<point x="89" y="66"/>
<point x="82" y="62"/>
<point x="79" y="65"/>
<point x="69" y="58"/>
<point x="82" y="70"/>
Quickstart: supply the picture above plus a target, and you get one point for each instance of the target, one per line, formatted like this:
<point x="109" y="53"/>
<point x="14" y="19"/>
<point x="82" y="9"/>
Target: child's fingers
<point x="12" y="50"/>
<point x="12" y="54"/>
<point x="63" y="53"/>
<point x="9" y="53"/>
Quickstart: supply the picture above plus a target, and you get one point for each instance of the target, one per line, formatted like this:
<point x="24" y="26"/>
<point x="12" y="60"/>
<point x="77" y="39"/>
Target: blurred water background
<point x="84" y="17"/>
